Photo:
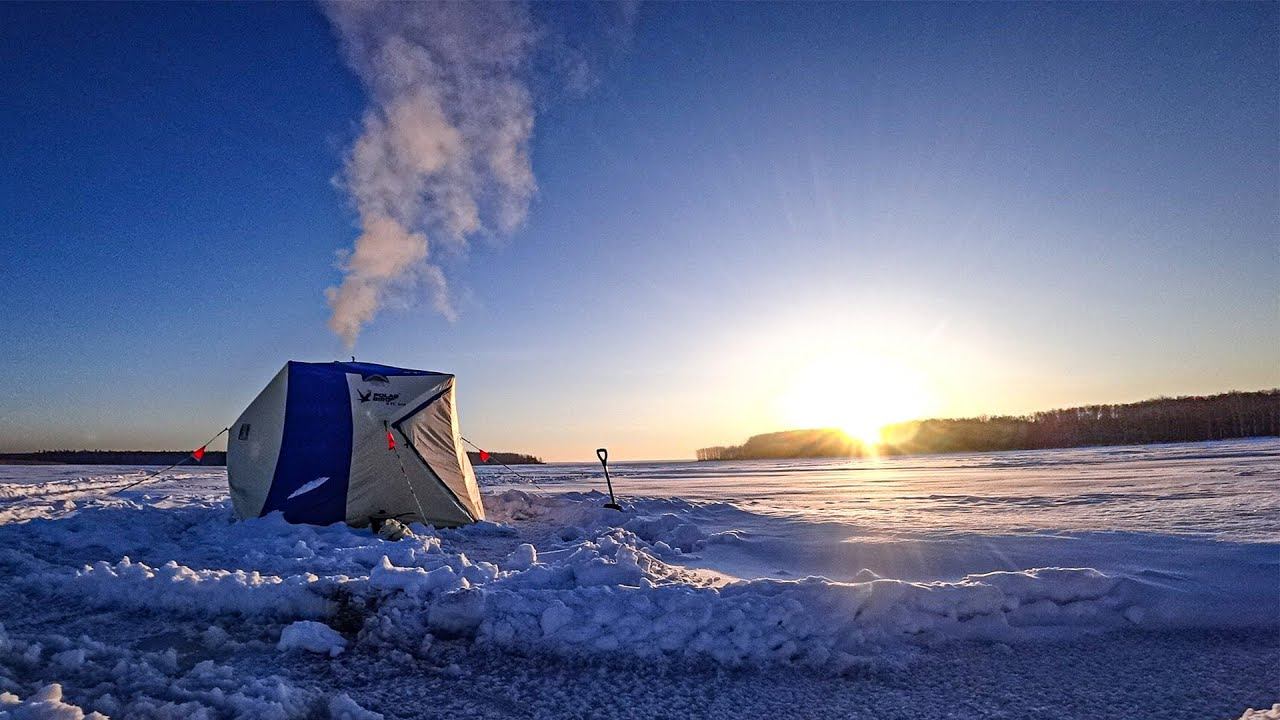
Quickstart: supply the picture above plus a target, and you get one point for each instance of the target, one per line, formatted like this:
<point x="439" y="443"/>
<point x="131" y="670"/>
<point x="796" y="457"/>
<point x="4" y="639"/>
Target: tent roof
<point x="362" y="368"/>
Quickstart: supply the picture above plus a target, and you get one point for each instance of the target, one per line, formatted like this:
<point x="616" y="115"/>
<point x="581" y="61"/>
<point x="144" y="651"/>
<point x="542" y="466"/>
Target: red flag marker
<point x="198" y="453"/>
<point x="391" y="441"/>
<point x="484" y="456"/>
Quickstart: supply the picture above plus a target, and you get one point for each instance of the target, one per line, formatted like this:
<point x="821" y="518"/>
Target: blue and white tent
<point x="353" y="442"/>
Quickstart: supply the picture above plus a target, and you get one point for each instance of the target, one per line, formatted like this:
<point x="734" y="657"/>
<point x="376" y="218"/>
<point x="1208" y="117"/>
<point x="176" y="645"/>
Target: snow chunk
<point x="458" y="612"/>
<point x="522" y="558"/>
<point x="556" y="616"/>
<point x="385" y="576"/>
<point x="668" y="528"/>
<point x="69" y="659"/>
<point x="342" y="707"/>
<point x="214" y="637"/>
<point x="46" y="704"/>
<point x="313" y="637"/>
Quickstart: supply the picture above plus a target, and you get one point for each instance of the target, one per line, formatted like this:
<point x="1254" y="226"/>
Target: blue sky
<point x="1028" y="206"/>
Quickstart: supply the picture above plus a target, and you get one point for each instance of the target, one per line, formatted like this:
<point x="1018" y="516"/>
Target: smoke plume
<point x="443" y="150"/>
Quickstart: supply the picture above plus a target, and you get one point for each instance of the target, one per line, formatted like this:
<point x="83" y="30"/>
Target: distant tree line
<point x="1179" y="419"/>
<point x="787" y="444"/>
<point x="213" y="458"/>
<point x="111" y="457"/>
<point x="505" y="458"/>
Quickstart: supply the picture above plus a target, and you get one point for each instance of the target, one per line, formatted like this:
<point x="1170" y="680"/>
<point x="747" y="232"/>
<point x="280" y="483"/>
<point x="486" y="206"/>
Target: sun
<point x="858" y="394"/>
<point x="867" y="434"/>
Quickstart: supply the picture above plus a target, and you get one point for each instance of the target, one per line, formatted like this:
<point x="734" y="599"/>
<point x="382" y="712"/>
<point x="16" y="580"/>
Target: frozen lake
<point x="1147" y="577"/>
<point x="1225" y="490"/>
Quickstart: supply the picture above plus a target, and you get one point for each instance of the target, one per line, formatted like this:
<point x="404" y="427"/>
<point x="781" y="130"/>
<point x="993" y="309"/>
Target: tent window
<point x="244" y="431"/>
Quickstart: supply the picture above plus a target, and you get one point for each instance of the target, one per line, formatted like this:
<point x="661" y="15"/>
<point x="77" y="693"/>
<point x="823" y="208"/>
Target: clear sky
<point x="941" y="210"/>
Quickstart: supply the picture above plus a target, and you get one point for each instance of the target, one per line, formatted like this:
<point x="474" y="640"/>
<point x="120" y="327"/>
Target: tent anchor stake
<point x="603" y="454"/>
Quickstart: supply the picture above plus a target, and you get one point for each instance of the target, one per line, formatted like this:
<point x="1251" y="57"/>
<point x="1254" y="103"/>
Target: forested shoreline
<point x="111" y="457"/>
<point x="1229" y="415"/>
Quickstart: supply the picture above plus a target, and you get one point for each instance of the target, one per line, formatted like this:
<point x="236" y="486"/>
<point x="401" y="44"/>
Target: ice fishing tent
<point x="352" y="441"/>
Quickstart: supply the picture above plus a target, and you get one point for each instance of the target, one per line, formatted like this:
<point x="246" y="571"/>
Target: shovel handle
<point x="603" y="454"/>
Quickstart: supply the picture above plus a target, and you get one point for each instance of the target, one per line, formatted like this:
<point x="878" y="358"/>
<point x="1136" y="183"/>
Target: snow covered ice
<point x="1136" y="581"/>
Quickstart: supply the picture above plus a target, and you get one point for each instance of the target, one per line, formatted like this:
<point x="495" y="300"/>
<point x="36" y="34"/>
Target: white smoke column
<point x="444" y="144"/>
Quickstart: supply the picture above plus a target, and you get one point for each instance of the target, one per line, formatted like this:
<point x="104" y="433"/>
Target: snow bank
<point x="609" y="595"/>
<point x="610" y="589"/>
<point x="213" y="592"/>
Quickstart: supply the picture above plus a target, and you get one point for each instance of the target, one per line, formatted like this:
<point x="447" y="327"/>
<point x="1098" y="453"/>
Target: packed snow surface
<point x="876" y="588"/>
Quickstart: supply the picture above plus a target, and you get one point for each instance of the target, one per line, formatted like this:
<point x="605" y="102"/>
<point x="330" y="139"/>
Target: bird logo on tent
<point x="371" y="396"/>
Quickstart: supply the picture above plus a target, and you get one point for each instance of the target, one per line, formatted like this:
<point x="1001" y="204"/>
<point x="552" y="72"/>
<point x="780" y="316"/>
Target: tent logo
<point x="374" y="378"/>
<point x="371" y="396"/>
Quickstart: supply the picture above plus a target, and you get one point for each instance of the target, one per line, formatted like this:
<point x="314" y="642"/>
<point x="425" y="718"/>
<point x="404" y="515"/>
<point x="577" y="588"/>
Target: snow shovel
<point x="603" y="454"/>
